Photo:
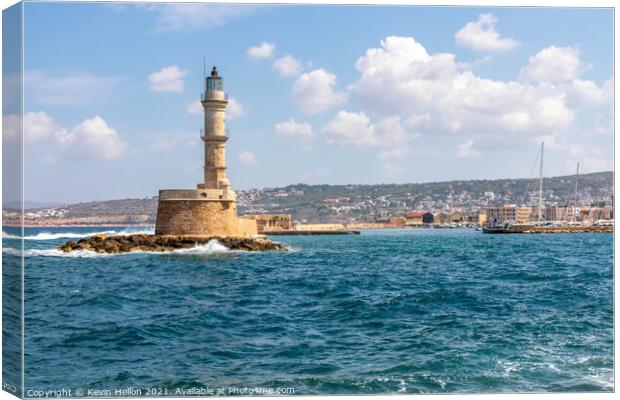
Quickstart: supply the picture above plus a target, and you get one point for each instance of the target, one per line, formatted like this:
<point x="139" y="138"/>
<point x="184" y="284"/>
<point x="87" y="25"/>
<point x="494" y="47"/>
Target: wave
<point x="76" y="235"/>
<point x="67" y="235"/>
<point x="211" y="248"/>
<point x="127" y="232"/>
<point x="9" y="236"/>
<point x="11" y="251"/>
<point x="60" y="253"/>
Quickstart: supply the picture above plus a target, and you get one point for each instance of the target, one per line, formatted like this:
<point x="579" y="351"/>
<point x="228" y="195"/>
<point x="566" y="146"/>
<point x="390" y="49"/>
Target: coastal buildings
<point x="508" y="213"/>
<point x="414" y="218"/>
<point x="357" y="204"/>
<point x="272" y="222"/>
<point x="211" y="208"/>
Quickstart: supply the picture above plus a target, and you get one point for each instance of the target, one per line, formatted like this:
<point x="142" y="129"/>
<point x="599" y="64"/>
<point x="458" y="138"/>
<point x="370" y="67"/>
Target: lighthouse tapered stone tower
<point x="214" y="102"/>
<point x="210" y="209"/>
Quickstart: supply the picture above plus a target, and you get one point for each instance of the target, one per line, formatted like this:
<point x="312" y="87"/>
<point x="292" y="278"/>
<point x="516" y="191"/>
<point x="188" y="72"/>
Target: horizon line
<point x="308" y="184"/>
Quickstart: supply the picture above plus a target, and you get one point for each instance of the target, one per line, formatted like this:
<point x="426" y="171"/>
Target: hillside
<point x="335" y="202"/>
<point x="331" y="203"/>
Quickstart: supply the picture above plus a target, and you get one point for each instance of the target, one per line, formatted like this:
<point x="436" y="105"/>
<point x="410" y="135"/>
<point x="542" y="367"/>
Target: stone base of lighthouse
<point x="204" y="212"/>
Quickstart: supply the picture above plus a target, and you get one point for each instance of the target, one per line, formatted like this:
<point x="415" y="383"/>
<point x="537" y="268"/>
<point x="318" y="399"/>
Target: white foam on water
<point x="509" y="366"/>
<point x="212" y="247"/>
<point x="9" y="236"/>
<point x="552" y="367"/>
<point x="79" y="235"/>
<point x="604" y="377"/>
<point x="127" y="232"/>
<point x="292" y="249"/>
<point x="11" y="251"/>
<point x="589" y="359"/>
<point x="439" y="381"/>
<point x="68" y="235"/>
<point x="60" y="253"/>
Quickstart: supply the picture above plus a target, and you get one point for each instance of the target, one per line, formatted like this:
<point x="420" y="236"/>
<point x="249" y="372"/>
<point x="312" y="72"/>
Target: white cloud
<point x="553" y="64"/>
<point x="287" y="66"/>
<point x="356" y="128"/>
<point x="263" y="50"/>
<point x="168" y="79"/>
<point x="247" y="158"/>
<point x="393" y="154"/>
<point x="590" y="158"/>
<point x="38" y="125"/>
<point x="580" y="93"/>
<point x="11" y="127"/>
<point x="92" y="139"/>
<point x="195" y="107"/>
<point x="467" y="150"/>
<point x="401" y="78"/>
<point x="161" y="144"/>
<point x="177" y="17"/>
<point x="234" y="109"/>
<point x="77" y="88"/>
<point x="474" y="64"/>
<point x="482" y="36"/>
<point x="350" y="128"/>
<point x="292" y="128"/>
<point x="314" y="92"/>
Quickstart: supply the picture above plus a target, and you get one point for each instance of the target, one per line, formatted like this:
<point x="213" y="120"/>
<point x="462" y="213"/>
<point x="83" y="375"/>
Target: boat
<point x="499" y="228"/>
<point x="507" y="228"/>
<point x="541" y="226"/>
<point x="496" y="226"/>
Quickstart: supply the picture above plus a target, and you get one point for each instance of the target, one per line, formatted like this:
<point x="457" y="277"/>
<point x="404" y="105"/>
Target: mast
<point x="575" y="200"/>
<point x="540" y="187"/>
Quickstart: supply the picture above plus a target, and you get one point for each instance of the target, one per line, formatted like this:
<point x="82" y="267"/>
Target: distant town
<point x="467" y="203"/>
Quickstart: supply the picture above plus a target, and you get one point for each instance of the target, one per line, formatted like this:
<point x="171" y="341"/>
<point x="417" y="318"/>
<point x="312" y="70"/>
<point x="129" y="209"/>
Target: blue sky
<point x="367" y="94"/>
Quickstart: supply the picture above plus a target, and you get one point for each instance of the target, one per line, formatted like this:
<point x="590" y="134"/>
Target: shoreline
<point x="81" y="226"/>
<point x="160" y="243"/>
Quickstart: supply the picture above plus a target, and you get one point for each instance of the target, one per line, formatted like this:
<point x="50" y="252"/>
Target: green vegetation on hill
<point x="324" y="203"/>
<point x="331" y="203"/>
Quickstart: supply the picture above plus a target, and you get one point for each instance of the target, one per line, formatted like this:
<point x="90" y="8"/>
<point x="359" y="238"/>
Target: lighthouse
<point x="211" y="208"/>
<point x="214" y="102"/>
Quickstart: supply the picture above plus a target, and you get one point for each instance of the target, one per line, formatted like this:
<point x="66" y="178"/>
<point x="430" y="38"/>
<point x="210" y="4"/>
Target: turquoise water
<point x="391" y="311"/>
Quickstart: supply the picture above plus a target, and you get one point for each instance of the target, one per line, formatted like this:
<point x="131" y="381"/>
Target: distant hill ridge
<point x="311" y="202"/>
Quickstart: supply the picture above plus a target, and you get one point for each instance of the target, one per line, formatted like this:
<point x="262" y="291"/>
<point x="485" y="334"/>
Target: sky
<point x="319" y="94"/>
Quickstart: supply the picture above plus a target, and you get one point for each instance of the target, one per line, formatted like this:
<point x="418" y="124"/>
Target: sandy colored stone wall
<point x="369" y="225"/>
<point x="319" y="227"/>
<point x="195" y="217"/>
<point x="247" y="227"/>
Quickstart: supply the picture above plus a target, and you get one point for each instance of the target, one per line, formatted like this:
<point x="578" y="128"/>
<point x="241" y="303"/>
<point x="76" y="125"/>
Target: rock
<point x="102" y="243"/>
<point x="69" y="246"/>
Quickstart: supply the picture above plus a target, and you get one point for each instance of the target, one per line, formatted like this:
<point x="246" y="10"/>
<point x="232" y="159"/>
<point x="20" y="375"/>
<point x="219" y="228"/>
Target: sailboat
<point x="513" y="227"/>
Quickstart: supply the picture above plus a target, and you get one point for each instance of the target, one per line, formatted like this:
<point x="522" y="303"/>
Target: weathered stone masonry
<point x="211" y="209"/>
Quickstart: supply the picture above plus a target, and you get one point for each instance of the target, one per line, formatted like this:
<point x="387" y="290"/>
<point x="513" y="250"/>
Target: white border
<point x="457" y="3"/>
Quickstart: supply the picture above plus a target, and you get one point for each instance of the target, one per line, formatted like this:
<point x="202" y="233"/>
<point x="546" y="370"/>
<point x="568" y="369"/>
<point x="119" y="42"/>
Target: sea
<point x="383" y="312"/>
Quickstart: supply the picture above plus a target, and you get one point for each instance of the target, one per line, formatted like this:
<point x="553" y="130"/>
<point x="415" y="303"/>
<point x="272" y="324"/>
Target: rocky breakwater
<point x="140" y="242"/>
